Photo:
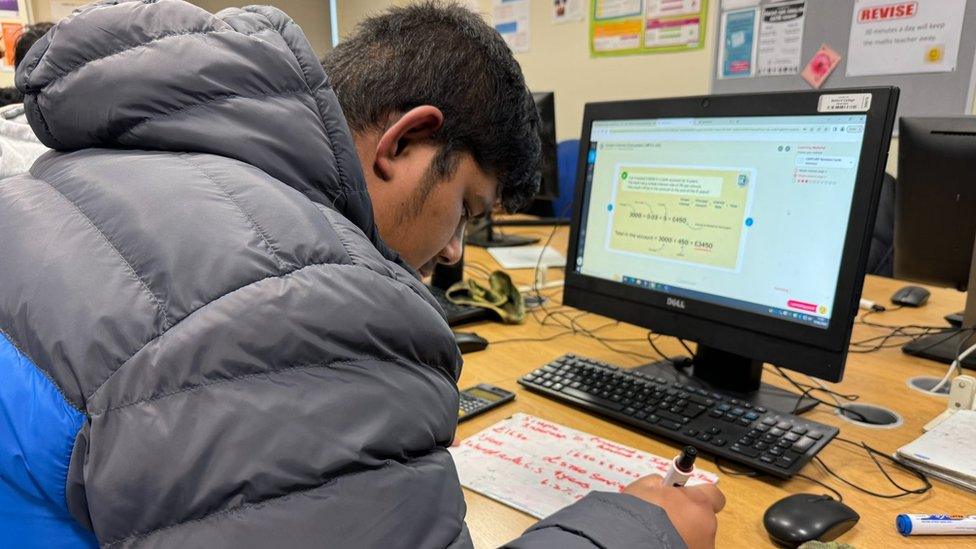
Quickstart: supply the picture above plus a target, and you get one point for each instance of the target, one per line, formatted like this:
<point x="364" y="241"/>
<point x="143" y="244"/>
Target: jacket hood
<point x="169" y="76"/>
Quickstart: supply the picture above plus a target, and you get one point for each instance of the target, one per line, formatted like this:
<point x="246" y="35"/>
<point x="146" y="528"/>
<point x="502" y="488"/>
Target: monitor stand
<point x="484" y="236"/>
<point x="732" y="375"/>
<point x="945" y="347"/>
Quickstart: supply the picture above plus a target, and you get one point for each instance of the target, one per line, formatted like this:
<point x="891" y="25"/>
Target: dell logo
<point x="675" y="302"/>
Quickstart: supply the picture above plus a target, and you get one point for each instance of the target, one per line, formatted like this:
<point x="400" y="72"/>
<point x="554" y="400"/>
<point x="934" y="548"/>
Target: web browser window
<point x="750" y="213"/>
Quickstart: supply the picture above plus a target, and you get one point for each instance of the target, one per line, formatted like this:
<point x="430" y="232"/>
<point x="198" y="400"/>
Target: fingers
<point x="708" y="493"/>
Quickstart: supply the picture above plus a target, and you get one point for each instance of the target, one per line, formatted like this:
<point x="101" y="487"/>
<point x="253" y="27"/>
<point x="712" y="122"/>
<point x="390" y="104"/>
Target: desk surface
<point x="877" y="377"/>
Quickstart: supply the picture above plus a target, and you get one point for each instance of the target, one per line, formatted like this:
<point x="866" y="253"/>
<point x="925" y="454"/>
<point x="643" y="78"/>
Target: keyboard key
<point x="694" y="410"/>
<point x="799" y="430"/>
<point x="784" y="443"/>
<point x="776" y="450"/>
<point x="591" y="398"/>
<point x="760" y="445"/>
<point x="804" y="444"/>
<point x="718" y="441"/>
<point x="716" y="413"/>
<point x="724" y="407"/>
<point x="761" y="409"/>
<point x="769" y="438"/>
<point x="792" y="437"/>
<point x="762" y="427"/>
<point x="714" y="430"/>
<point x="815" y="435"/>
<point x="630" y="411"/>
<point x="744" y="422"/>
<point x="737" y="411"/>
<point x="751" y="415"/>
<point x="753" y="434"/>
<point x="766" y="458"/>
<point x="704" y="437"/>
<point x="653" y="418"/>
<point x="674" y="426"/>
<point x="744" y="450"/>
<point x="785" y="462"/>
<point x="547" y="383"/>
<point x="777" y="432"/>
<point x="557" y="386"/>
<point x="769" y="421"/>
<point x="745" y="441"/>
<point x="784" y="425"/>
<point x="691" y="432"/>
<point x="672" y="416"/>
<point x="730" y="419"/>
<point x="640" y="415"/>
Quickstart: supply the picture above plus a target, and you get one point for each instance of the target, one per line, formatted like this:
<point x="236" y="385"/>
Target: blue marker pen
<point x="937" y="525"/>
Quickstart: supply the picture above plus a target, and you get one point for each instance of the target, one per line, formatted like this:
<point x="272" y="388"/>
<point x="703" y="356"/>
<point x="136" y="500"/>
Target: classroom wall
<point x="559" y="60"/>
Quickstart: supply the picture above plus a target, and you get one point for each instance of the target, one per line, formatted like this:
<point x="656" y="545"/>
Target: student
<point x="19" y="148"/>
<point x="205" y="341"/>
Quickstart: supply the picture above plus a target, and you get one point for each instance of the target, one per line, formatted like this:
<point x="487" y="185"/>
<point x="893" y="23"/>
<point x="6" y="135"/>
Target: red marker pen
<point x="681" y="468"/>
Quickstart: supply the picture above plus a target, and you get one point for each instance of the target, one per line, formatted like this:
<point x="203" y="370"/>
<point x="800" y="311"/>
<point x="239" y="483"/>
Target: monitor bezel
<point x="810" y="349"/>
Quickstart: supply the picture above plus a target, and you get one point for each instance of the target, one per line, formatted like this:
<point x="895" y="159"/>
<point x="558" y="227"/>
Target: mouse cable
<point x="750" y="473"/>
<point x="873" y="454"/>
<point x="836" y="492"/>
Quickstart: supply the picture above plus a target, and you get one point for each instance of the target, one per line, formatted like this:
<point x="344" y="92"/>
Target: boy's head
<point x="443" y="122"/>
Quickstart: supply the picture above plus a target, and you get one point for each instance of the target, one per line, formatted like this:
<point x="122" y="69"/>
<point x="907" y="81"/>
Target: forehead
<point x="475" y="180"/>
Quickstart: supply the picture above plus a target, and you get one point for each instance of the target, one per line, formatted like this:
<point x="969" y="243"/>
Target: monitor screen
<point x="748" y="213"/>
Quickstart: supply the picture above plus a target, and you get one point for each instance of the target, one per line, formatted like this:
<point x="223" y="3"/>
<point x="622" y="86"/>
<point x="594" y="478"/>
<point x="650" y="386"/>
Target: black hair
<point x="442" y="54"/>
<point x="29" y="35"/>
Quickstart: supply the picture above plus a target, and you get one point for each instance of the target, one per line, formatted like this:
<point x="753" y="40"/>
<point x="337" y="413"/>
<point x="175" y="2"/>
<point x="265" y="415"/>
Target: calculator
<point x="481" y="398"/>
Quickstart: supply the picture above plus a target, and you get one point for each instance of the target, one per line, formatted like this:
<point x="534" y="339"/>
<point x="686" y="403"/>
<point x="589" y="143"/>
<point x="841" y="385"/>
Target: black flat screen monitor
<point x="935" y="200"/>
<point x="935" y="219"/>
<point x="741" y="222"/>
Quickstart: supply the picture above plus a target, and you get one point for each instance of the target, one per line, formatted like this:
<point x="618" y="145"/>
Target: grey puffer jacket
<point x="203" y="340"/>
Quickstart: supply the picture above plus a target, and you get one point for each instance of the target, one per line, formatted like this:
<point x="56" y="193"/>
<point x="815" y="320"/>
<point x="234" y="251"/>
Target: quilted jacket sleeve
<point x="604" y="520"/>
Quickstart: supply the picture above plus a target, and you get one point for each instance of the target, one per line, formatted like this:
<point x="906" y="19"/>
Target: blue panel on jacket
<point x="37" y="432"/>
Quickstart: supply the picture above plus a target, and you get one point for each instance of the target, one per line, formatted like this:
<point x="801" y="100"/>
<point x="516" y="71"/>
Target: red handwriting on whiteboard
<point x="603" y="480"/>
<point x="562" y="475"/>
<point x="608" y="446"/>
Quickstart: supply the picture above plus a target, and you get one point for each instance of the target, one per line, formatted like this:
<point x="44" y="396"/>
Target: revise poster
<point x="904" y="37"/>
<point x="625" y="27"/>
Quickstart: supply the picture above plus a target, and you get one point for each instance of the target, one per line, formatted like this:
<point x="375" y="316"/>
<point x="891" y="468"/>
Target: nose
<point x="451" y="253"/>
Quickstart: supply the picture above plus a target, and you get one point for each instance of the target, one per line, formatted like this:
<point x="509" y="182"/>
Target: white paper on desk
<point x="948" y="447"/>
<point x="526" y="257"/>
<point x="539" y="467"/>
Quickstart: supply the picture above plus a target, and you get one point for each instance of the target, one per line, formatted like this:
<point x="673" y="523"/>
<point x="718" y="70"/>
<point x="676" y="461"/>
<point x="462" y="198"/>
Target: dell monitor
<point x="741" y="222"/>
<point x="485" y="235"/>
<point x="935" y="217"/>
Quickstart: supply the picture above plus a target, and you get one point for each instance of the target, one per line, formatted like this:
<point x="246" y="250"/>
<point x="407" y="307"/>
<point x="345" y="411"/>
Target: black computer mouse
<point x="800" y="518"/>
<point x="470" y="342"/>
<point x="911" y="296"/>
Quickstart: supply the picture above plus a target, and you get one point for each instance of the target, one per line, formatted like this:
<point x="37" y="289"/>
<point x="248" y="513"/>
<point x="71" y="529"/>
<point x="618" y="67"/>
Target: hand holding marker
<point x="681" y="468"/>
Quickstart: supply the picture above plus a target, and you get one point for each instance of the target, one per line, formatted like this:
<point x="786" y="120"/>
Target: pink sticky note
<point x="820" y="67"/>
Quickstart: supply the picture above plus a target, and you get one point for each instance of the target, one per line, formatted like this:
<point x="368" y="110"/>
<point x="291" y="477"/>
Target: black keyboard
<point x="459" y="314"/>
<point x="772" y="442"/>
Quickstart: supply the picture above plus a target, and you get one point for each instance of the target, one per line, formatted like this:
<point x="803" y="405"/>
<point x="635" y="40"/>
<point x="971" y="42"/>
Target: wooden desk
<point x="878" y="377"/>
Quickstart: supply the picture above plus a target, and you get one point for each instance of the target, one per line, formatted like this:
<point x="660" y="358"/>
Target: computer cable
<point x="874" y="454"/>
<point x="960" y="356"/>
<point x="808" y="393"/>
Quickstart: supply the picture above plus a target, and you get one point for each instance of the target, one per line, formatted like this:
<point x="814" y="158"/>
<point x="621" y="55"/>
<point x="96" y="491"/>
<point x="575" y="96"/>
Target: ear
<point x="413" y="126"/>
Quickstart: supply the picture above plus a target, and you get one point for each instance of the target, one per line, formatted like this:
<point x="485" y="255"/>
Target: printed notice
<point x="738" y="43"/>
<point x="693" y="215"/>
<point x="539" y="467"/>
<point x="917" y="36"/>
<point x="781" y="39"/>
<point x="511" y="20"/>
<point x="567" y="11"/>
<point x="622" y="27"/>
